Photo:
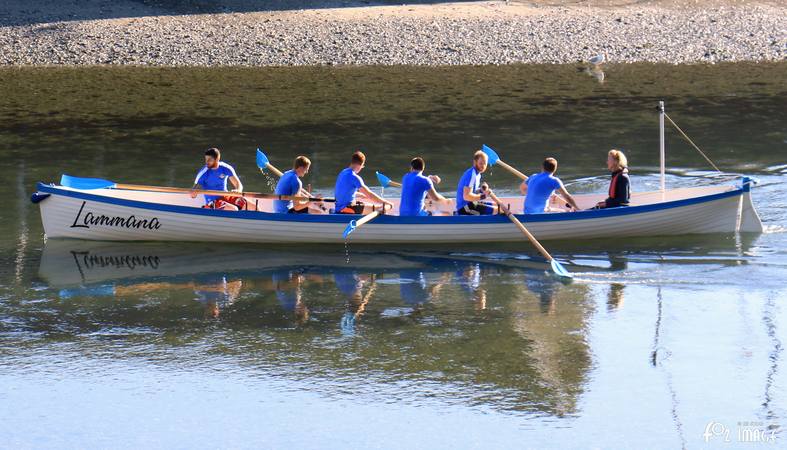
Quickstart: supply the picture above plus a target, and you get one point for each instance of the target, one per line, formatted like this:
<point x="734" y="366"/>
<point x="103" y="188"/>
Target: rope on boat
<point x="692" y="143"/>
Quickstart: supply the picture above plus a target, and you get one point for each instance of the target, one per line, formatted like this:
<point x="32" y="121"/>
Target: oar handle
<point x="515" y="172"/>
<point x="139" y="187"/>
<point x="366" y="218"/>
<point x="522" y="228"/>
<point x="357" y="223"/>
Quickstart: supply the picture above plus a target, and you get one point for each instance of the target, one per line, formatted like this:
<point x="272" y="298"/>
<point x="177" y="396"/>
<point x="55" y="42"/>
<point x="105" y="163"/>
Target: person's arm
<point x="297" y="188"/>
<point x="238" y="186"/>
<point x="564" y="193"/>
<point x="198" y="182"/>
<point x="234" y="179"/>
<point x="434" y="195"/>
<point x="369" y="194"/>
<point x="469" y="196"/>
<point x="523" y="187"/>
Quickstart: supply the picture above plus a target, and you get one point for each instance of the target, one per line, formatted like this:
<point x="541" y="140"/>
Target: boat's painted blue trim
<point x="38" y="197"/>
<point x="386" y="219"/>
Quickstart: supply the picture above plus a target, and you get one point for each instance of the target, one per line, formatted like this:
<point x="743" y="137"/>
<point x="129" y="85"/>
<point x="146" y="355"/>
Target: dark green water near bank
<point x="205" y="345"/>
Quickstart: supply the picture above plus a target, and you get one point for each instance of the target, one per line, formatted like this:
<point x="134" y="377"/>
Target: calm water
<point x="114" y="345"/>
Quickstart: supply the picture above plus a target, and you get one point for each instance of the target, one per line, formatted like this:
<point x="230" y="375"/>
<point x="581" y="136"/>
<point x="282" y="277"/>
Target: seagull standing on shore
<point x="597" y="60"/>
<point x="594" y="70"/>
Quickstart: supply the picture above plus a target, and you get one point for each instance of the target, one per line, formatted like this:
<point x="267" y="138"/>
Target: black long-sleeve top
<point x="619" y="189"/>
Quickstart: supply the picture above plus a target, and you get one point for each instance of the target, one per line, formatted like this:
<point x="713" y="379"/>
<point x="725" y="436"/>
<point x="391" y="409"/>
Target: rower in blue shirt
<point x="214" y="177"/>
<point x="470" y="191"/>
<point x="415" y="188"/>
<point x="290" y="184"/>
<point x="348" y="183"/>
<point x="539" y="189"/>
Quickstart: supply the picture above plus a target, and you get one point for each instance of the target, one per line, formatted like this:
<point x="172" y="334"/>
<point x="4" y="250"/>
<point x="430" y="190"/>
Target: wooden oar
<point x="263" y="163"/>
<point x="494" y="158"/>
<point x="97" y="183"/>
<point x="357" y="223"/>
<point x="556" y="266"/>
<point x="385" y="181"/>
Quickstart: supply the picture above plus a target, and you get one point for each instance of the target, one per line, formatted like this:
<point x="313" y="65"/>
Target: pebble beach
<point x="239" y="33"/>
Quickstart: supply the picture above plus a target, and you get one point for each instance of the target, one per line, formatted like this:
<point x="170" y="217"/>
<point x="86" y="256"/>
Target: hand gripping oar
<point x="385" y="181"/>
<point x="494" y="158"/>
<point x="263" y="163"/>
<point x="556" y="266"/>
<point x="97" y="183"/>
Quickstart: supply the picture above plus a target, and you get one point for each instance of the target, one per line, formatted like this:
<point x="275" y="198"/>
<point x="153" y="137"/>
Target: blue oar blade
<point x="262" y="160"/>
<point x="85" y="183"/>
<point x="493" y="157"/>
<point x="560" y="270"/>
<point x="350" y="228"/>
<point x="384" y="181"/>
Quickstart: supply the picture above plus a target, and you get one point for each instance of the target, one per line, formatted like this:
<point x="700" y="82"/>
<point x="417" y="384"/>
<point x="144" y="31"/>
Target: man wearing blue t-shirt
<point x="415" y="188"/>
<point x="214" y="177"/>
<point x="348" y="183"/>
<point x="290" y="184"/>
<point x="540" y="187"/>
<point x="470" y="191"/>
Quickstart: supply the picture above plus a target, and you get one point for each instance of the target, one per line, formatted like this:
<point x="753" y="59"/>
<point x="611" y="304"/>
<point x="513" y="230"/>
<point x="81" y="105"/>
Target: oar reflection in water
<point x="289" y="292"/>
<point x="415" y="290"/>
<point x="352" y="284"/>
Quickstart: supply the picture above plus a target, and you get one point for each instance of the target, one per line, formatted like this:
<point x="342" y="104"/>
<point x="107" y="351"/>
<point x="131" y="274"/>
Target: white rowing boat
<point x="114" y="214"/>
<point x="126" y="215"/>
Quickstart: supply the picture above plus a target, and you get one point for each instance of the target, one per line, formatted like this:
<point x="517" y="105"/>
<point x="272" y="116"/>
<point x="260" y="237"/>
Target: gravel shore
<point x="89" y="32"/>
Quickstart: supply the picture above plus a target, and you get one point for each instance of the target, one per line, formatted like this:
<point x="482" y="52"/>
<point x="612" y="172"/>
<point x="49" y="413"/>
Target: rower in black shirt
<point x="620" y="185"/>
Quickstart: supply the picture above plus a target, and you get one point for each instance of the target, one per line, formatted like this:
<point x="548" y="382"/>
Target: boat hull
<point x="69" y="213"/>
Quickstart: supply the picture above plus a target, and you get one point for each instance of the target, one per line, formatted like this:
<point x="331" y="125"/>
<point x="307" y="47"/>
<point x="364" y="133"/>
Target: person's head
<point x="212" y="157"/>
<point x="616" y="160"/>
<point x="417" y="164"/>
<point x="549" y="165"/>
<point x="301" y="165"/>
<point x="357" y="161"/>
<point x="480" y="161"/>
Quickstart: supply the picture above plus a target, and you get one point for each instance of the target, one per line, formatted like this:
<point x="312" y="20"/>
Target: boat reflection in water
<point x="464" y="322"/>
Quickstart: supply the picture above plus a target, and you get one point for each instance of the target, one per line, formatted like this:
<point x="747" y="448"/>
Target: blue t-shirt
<point x="347" y="283"/>
<point x="286" y="291"/>
<point x="414" y="188"/>
<point x="539" y="188"/>
<point x="471" y="179"/>
<point x="347" y="184"/>
<point x="289" y="184"/>
<point x="215" y="179"/>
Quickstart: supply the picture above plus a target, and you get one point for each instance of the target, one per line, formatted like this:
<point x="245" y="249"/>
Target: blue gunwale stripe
<point x="386" y="219"/>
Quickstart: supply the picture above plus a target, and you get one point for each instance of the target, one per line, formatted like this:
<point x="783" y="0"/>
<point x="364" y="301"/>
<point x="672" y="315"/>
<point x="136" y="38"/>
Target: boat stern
<point x="748" y="219"/>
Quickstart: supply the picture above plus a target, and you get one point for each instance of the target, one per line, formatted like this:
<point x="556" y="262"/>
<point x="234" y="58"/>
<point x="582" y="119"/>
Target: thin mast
<point x="661" y="148"/>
